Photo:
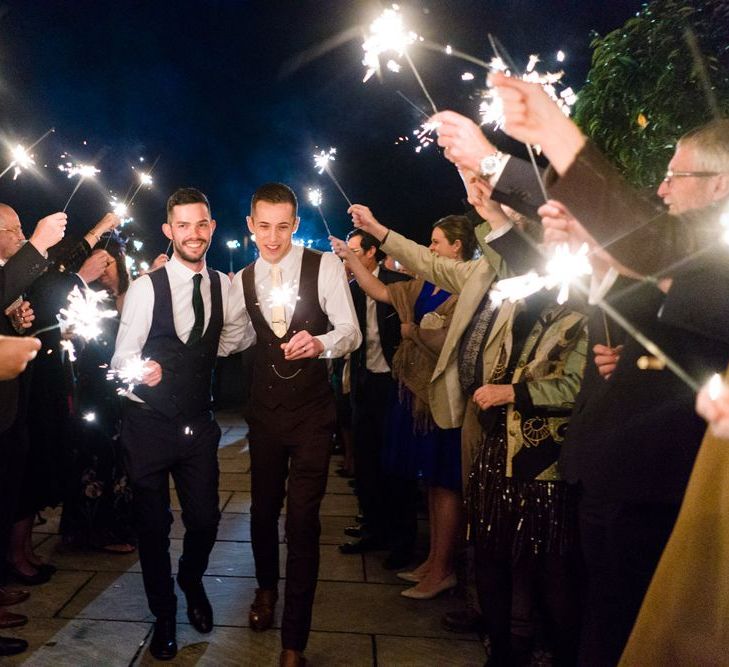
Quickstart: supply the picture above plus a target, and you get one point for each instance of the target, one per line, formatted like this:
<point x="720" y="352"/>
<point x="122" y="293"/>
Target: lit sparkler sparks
<point x="563" y="269"/>
<point x="21" y="157"/>
<point x="131" y="373"/>
<point x="284" y="295"/>
<point x="315" y="199"/>
<point x="83" y="171"/>
<point x="492" y="108"/>
<point x="83" y="315"/>
<point x="387" y="34"/>
<point x="68" y="348"/>
<point x="323" y="158"/>
<point x="322" y="161"/>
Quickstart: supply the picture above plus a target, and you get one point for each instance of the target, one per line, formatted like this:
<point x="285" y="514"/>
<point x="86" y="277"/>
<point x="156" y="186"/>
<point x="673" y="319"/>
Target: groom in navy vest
<point x="173" y="317"/>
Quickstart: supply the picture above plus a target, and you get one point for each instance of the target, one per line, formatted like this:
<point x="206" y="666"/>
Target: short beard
<point x="180" y="250"/>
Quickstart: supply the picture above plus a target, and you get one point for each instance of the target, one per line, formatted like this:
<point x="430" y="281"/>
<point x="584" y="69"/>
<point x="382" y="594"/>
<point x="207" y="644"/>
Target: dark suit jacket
<point x="635" y="436"/>
<point x="16" y="276"/>
<point x="388" y="325"/>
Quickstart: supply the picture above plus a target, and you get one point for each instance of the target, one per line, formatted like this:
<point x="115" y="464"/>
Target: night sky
<point x="229" y="95"/>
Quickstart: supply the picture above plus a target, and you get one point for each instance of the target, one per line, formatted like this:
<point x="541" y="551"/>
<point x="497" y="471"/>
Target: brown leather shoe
<point x="291" y="658"/>
<point x="260" y="617"/>
<point x="10" y="620"/>
<point x="9" y="596"/>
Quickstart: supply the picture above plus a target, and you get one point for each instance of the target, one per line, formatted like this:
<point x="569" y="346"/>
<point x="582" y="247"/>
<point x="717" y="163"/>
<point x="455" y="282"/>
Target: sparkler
<point x="315" y="199"/>
<point x="83" y="315"/>
<point x="21" y="158"/>
<point x="130" y="374"/>
<point x="83" y="171"/>
<point x="387" y="33"/>
<point x="283" y="295"/>
<point x="321" y="164"/>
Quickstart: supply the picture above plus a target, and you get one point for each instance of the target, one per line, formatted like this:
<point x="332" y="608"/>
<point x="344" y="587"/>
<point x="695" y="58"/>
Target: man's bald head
<point x="11" y="233"/>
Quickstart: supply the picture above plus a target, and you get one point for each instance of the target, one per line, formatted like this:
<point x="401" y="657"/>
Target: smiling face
<point x="190" y="229"/>
<point x="441" y="246"/>
<point x="273" y="224"/>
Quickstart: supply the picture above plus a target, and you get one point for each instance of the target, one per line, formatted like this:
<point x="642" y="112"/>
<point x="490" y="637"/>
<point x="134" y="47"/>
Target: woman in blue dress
<point x="417" y="448"/>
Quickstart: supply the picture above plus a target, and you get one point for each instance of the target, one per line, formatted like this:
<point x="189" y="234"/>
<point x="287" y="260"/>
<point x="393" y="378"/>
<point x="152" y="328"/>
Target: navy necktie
<point x="198" y="309"/>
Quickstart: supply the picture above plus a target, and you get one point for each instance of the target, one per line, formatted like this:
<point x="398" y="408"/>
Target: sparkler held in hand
<point x="321" y="164"/>
<point x="21" y="157"/>
<point x="315" y="199"/>
<point x="83" y="171"/>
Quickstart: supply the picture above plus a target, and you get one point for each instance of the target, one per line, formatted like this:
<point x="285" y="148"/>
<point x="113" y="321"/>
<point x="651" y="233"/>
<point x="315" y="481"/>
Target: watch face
<point x="489" y="165"/>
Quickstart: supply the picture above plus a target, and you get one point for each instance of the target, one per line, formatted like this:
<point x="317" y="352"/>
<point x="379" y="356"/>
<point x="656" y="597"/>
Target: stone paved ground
<point x="94" y="611"/>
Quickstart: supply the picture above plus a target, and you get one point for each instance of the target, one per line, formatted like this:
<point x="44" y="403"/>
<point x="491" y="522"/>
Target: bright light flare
<point x="233" y="245"/>
<point x="323" y="158"/>
<point x="565" y="267"/>
<point x="83" y="315"/>
<point x="387" y="33"/>
<point x="491" y="108"/>
<point x="315" y="197"/>
<point x="89" y="417"/>
<point x="145" y="179"/>
<point x="285" y="295"/>
<point x="68" y="348"/>
<point x="72" y="169"/>
<point x="131" y="373"/>
<point x="21" y="159"/>
<point x="467" y="76"/>
<point x="715" y="386"/>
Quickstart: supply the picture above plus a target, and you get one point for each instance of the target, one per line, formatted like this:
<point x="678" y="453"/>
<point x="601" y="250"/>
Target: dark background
<point x="219" y="90"/>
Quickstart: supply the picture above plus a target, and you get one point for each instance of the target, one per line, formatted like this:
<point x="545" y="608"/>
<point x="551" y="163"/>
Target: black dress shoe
<point x="164" y="640"/>
<point x="362" y="546"/>
<point x="40" y="577"/>
<point x="353" y="531"/>
<point x="12" y="646"/>
<point x="199" y="610"/>
<point x="397" y="560"/>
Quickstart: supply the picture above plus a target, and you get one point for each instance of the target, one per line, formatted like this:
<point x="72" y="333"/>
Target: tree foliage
<point x="645" y="89"/>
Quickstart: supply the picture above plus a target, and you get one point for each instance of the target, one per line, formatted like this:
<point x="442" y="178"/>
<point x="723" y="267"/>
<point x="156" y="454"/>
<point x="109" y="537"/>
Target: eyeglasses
<point x="17" y="230"/>
<point x="670" y="175"/>
<point x="355" y="250"/>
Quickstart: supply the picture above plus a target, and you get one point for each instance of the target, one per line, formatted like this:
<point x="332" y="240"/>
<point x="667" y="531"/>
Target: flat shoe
<point x="9" y="596"/>
<point x="40" y="577"/>
<point x="446" y="584"/>
<point x="10" y="620"/>
<point x="409" y="576"/>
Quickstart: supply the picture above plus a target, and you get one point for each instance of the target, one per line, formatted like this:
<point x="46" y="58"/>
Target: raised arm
<point x="448" y="274"/>
<point x="372" y="286"/>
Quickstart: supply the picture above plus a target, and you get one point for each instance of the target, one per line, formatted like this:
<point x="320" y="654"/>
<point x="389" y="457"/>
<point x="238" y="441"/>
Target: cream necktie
<point x="278" y="314"/>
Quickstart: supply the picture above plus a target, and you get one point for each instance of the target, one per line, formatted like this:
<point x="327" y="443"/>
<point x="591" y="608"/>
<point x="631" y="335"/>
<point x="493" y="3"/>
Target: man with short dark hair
<point x="389" y="518"/>
<point x="301" y="309"/>
<point x="175" y="318"/>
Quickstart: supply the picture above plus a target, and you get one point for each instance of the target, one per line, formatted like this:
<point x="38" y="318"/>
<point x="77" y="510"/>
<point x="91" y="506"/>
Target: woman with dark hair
<point x="97" y="504"/>
<point x="416" y="447"/>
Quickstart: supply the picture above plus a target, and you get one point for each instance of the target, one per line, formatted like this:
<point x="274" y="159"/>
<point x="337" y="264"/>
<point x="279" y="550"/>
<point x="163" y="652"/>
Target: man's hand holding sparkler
<point x="48" y="232"/>
<point x="464" y="143"/>
<point x="532" y="117"/>
<point x="15" y="353"/>
<point x="152" y="375"/>
<point x="478" y="193"/>
<point x="363" y="219"/>
<point x="302" y="346"/>
<point x="491" y="395"/>
<point x="95" y="265"/>
<point x="341" y="249"/>
<point x="21" y="316"/>
<point x="606" y="359"/>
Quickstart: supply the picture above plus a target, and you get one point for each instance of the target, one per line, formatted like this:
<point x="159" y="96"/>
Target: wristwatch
<point x="490" y="164"/>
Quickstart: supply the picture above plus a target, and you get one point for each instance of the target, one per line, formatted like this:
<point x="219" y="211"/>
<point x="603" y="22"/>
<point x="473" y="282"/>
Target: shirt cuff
<point x="498" y="233"/>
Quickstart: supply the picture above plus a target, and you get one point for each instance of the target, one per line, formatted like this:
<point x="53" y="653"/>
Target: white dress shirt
<point x="335" y="300"/>
<point x="375" y="361"/>
<point x="136" y="317"/>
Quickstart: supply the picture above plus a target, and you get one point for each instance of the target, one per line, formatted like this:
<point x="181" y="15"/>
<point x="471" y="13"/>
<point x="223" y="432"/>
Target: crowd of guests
<point x="554" y="441"/>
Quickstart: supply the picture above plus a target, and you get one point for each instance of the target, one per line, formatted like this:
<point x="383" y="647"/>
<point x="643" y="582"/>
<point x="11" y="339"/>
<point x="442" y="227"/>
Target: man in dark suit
<point x="20" y="264"/>
<point x="388" y="505"/>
